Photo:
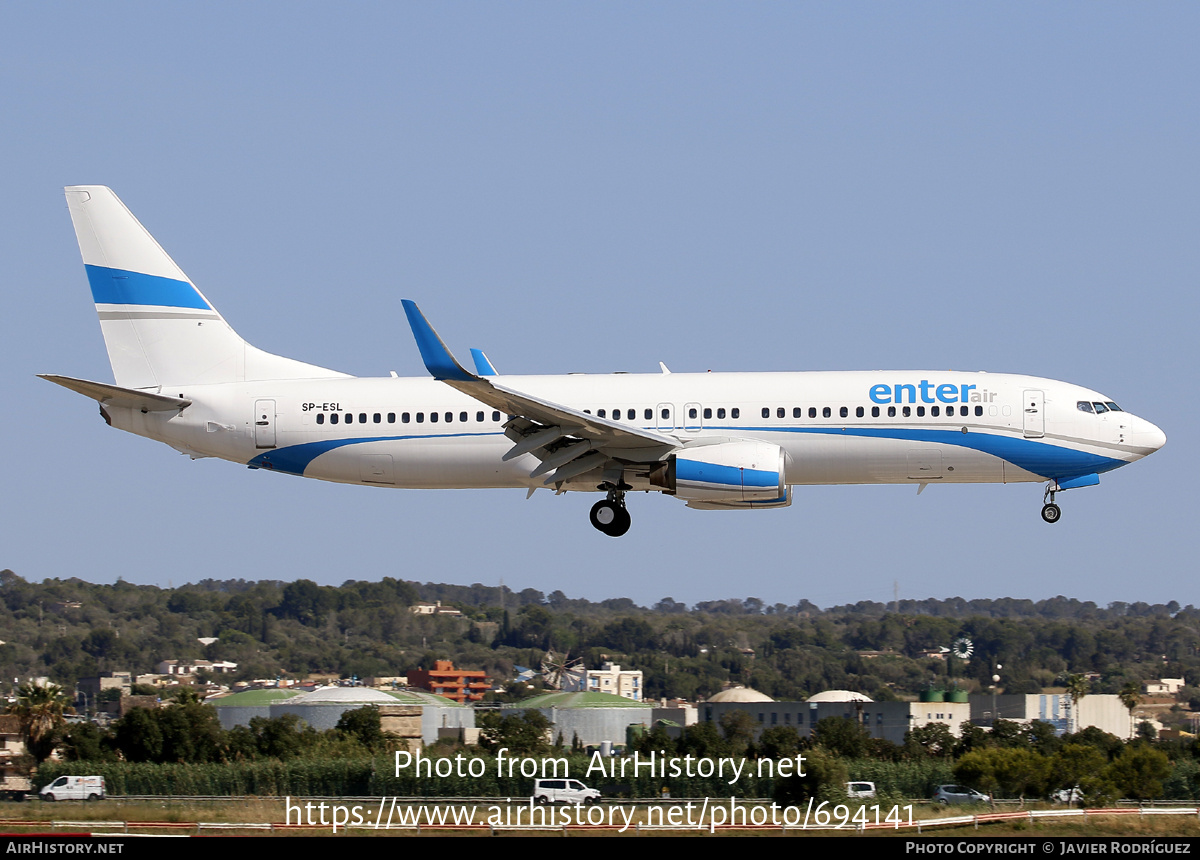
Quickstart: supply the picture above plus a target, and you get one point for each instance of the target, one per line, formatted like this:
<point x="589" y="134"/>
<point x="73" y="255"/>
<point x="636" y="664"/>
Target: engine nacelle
<point x="743" y="471"/>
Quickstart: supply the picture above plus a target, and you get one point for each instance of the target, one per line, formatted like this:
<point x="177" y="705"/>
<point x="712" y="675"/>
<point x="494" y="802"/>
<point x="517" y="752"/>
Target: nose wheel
<point x="1050" y="511"/>
<point x="610" y="515"/>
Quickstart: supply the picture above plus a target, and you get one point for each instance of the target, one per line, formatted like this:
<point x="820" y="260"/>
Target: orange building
<point x="461" y="685"/>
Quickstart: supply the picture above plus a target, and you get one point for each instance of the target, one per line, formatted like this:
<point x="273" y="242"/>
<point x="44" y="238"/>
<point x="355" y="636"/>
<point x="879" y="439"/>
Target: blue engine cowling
<point x="728" y="472"/>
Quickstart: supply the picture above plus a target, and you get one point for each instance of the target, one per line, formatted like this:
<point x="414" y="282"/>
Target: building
<point x="593" y="718"/>
<point x="609" y="678"/>
<point x="459" y="685"/>
<point x="1164" y="687"/>
<point x="1105" y="712"/>
<point x="411" y="715"/>
<point x="889" y="721"/>
<point x="191" y="667"/>
<point x="433" y="609"/>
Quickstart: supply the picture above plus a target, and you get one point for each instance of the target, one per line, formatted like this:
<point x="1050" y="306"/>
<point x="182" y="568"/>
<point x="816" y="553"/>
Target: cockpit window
<point x="1112" y="406"/>
<point x="1100" y="408"/>
<point x="1084" y="406"/>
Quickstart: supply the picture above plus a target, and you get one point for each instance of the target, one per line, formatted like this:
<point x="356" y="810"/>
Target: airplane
<point x="717" y="441"/>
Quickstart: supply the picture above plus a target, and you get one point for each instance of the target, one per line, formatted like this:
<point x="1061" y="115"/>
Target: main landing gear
<point x="1050" y="511"/>
<point x="610" y="515"/>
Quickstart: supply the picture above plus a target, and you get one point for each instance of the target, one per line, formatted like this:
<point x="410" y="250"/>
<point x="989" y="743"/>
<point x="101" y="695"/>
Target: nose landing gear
<point x="1050" y="511"/>
<point x="610" y="515"/>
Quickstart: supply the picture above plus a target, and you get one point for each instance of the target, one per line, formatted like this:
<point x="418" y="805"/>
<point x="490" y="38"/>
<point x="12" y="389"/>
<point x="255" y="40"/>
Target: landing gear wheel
<point x="1051" y="512"/>
<point x="610" y="517"/>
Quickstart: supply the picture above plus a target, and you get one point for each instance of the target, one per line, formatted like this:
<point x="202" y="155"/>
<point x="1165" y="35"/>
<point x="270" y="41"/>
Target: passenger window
<point x="377" y="418"/>
<point x="433" y="418"/>
<point x="766" y="412"/>
<point x="692" y="412"/>
<point x="874" y="411"/>
<point x="666" y="413"/>
<point x="859" y="412"/>
<point x="779" y="412"/>
<point x="920" y="411"/>
<point x="333" y="418"/>
<point x="735" y="412"/>
<point x="934" y="411"/>
<point x="978" y="411"/>
<point x="891" y="412"/>
<point x="462" y="416"/>
<point x="495" y="416"/>
<point x="721" y="412"/>
<point x="349" y="418"/>
<point x="844" y="412"/>
<point x="420" y="417"/>
<point x="391" y="418"/>
<point x="631" y="414"/>
<point x="362" y="418"/>
<point x="479" y="417"/>
<point x="827" y="412"/>
<point x="707" y="412"/>
<point x="648" y="415"/>
<point x="907" y="411"/>
<point x="602" y="413"/>
<point x="320" y="417"/>
<point x="449" y="417"/>
<point x="812" y="412"/>
<point x="797" y="411"/>
<point x="404" y="417"/>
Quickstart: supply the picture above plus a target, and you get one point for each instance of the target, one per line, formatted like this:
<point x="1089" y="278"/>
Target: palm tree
<point x="40" y="711"/>
<point x="1077" y="688"/>
<point x="1131" y="696"/>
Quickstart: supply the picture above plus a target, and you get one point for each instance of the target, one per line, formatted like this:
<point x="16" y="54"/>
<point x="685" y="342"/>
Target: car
<point x="1067" y="795"/>
<point x="860" y="790"/>
<point x="74" y="788"/>
<point x="959" y="794"/>
<point x="564" y="791"/>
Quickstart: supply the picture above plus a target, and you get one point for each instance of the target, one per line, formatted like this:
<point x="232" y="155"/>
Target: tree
<point x="825" y="777"/>
<point x="1131" y="696"/>
<point x="842" y="736"/>
<point x="40" y="711"/>
<point x="1077" y="688"/>
<point x="520" y="734"/>
<point x="363" y="724"/>
<point x="738" y="727"/>
<point x="1139" y="772"/>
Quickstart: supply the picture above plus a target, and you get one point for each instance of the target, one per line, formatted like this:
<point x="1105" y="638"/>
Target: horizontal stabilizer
<point x="114" y="395"/>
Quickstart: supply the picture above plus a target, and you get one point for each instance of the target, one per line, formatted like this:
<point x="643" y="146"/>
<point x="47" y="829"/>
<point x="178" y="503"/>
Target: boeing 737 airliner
<point x="716" y="440"/>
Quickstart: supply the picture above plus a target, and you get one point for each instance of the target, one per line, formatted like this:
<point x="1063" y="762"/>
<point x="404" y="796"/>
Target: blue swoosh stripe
<point x="294" y="459"/>
<point x="122" y="287"/>
<point x="1038" y="458"/>
<point x="730" y="476"/>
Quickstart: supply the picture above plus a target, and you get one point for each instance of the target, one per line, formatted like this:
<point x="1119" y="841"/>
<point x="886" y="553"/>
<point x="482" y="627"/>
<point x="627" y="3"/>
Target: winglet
<point x="438" y="360"/>
<point x="482" y="366"/>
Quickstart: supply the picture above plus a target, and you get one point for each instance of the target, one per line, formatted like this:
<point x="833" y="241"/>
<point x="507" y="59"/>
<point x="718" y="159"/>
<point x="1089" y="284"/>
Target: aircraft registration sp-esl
<point x="718" y="441"/>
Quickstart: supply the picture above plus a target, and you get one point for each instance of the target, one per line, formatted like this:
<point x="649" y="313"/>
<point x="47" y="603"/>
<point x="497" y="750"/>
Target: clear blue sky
<point x="597" y="187"/>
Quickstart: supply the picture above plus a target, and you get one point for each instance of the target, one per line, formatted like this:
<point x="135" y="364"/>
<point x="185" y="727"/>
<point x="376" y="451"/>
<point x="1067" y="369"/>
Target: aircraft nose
<point x="1150" y="436"/>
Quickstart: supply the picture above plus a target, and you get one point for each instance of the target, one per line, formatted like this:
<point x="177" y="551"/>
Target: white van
<point x="860" y="790"/>
<point x="564" y="791"/>
<point x="74" y="788"/>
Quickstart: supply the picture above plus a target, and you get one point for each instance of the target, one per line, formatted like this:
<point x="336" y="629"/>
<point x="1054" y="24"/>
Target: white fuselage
<point x="861" y="427"/>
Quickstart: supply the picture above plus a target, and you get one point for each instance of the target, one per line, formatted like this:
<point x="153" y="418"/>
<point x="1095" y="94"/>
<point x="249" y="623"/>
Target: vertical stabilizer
<point x="158" y="328"/>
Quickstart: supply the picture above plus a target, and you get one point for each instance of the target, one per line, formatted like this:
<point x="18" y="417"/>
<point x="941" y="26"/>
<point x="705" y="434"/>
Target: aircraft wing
<point x="551" y="429"/>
